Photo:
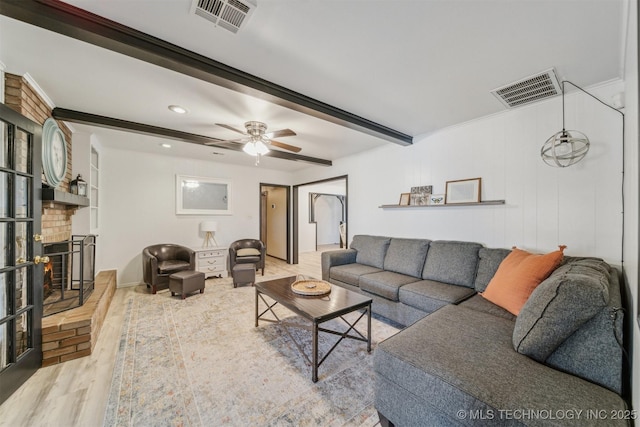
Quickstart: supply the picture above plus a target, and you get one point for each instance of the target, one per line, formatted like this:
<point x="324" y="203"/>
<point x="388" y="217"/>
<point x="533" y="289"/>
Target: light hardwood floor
<point x="75" y="393"/>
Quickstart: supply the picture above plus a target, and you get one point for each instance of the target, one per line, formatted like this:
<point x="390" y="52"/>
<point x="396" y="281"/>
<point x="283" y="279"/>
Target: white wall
<point x="632" y="213"/>
<point x="328" y="214"/>
<point x="307" y="230"/>
<point x="139" y="204"/>
<point x="578" y="206"/>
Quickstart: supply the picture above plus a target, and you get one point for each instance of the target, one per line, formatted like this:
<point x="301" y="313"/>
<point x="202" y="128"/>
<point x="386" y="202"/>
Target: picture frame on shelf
<point x="203" y="196"/>
<point x="405" y="198"/>
<point x="436" y="199"/>
<point x="420" y="195"/>
<point x="463" y="191"/>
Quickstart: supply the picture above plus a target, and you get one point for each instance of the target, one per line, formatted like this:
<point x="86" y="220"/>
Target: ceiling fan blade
<point x="280" y="133"/>
<point x="231" y="128"/>
<point x="285" y="146"/>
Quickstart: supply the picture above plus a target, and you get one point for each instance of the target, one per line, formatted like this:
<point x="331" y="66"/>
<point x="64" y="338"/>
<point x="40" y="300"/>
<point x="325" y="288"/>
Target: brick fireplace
<point x="72" y="333"/>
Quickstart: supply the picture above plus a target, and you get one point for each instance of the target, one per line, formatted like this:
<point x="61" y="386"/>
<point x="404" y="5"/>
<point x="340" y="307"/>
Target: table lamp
<point x="209" y="227"/>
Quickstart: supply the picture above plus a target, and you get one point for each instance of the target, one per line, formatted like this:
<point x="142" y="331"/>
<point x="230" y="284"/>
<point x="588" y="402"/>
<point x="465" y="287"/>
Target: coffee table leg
<point x="257" y="292"/>
<point x="369" y="329"/>
<point x="314" y="349"/>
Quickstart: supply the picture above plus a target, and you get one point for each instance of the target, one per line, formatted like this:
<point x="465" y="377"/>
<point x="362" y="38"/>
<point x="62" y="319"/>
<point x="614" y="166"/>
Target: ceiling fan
<point x="257" y="141"/>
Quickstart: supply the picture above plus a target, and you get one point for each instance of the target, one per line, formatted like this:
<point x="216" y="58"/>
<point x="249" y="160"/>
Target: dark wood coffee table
<point x="317" y="309"/>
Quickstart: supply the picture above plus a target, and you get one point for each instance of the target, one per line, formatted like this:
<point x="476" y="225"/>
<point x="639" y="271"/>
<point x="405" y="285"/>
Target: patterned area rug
<point x="202" y="362"/>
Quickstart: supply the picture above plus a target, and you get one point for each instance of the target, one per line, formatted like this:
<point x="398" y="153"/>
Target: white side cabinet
<point x="212" y="261"/>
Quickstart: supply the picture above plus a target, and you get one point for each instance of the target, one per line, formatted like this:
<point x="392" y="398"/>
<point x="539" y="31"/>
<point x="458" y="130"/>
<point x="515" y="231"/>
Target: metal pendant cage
<point x="565" y="148"/>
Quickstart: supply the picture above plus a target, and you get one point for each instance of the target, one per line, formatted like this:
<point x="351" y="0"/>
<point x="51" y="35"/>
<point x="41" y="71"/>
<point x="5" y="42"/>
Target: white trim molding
<point x="39" y="90"/>
<point x="2" y="68"/>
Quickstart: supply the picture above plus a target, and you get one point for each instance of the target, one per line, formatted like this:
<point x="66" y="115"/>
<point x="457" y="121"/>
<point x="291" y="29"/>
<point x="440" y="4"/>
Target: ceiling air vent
<point x="228" y="14"/>
<point x="530" y="89"/>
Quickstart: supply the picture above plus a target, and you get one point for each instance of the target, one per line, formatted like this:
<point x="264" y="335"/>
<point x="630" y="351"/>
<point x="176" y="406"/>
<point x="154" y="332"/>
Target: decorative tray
<point x="311" y="287"/>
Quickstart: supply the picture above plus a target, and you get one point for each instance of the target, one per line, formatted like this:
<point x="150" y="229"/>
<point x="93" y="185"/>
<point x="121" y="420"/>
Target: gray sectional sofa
<point x="463" y="360"/>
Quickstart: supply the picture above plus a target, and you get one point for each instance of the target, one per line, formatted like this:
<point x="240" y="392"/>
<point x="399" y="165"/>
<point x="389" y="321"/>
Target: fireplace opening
<point x="69" y="276"/>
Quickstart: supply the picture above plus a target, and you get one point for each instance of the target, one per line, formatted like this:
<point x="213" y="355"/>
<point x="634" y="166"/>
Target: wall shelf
<point x="483" y="203"/>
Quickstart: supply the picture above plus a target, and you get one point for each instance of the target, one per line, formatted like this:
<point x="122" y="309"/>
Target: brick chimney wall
<point x="21" y="97"/>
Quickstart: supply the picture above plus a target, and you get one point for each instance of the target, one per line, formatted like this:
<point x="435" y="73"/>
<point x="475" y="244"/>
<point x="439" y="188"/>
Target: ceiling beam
<point x="141" y="128"/>
<point x="71" y="21"/>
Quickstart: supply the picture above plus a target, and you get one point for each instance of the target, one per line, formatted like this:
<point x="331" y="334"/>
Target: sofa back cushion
<point x="406" y="256"/>
<point x="560" y="305"/>
<point x="371" y="249"/>
<point x="488" y="263"/>
<point x="452" y="262"/>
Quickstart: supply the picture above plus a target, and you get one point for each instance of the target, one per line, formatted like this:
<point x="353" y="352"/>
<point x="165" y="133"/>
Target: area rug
<point x="202" y="362"/>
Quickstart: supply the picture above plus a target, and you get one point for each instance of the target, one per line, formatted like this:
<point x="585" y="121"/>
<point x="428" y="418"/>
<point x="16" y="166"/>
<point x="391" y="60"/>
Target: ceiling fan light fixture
<point x="255" y="148"/>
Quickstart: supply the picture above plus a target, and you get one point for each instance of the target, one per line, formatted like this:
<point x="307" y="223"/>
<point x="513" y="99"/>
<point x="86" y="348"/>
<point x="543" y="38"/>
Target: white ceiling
<point x="414" y="66"/>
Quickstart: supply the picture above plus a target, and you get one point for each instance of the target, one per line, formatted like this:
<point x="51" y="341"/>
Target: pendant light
<point x="566" y="147"/>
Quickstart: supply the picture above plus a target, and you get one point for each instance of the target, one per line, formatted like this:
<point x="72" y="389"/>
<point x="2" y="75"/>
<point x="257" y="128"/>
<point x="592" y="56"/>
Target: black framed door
<point x="20" y="273"/>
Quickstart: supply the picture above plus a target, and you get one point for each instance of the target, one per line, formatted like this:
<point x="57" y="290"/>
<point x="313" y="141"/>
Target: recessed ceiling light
<point x="177" y="109"/>
<point x="165" y="145"/>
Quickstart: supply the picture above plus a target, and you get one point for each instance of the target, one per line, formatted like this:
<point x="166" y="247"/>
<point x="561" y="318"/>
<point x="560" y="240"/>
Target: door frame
<point x="21" y="368"/>
<point x="296" y="213"/>
<point x="263" y="214"/>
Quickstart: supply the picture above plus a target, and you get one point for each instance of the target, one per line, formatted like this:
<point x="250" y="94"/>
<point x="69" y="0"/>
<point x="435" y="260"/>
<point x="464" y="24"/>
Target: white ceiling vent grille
<point x="228" y="14"/>
<point x="530" y="89"/>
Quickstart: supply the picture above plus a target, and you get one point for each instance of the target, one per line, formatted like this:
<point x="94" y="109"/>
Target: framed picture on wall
<point x="197" y="195"/>
<point x="463" y="191"/>
<point x="404" y="199"/>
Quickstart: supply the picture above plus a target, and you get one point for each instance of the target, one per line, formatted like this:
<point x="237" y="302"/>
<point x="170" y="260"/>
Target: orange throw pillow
<point x="518" y="275"/>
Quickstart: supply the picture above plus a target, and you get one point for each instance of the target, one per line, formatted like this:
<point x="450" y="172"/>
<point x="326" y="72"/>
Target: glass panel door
<point x="20" y="273"/>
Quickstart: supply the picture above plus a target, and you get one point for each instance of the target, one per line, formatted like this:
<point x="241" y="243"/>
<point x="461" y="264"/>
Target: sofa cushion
<point x="406" y="256"/>
<point x="518" y="275"/>
<point x="371" y="249"/>
<point x="452" y="262"/>
<point x="478" y="303"/>
<point x="428" y="295"/>
<point x="456" y="358"/>
<point x="350" y="273"/>
<point x="571" y="296"/>
<point x="385" y="283"/>
<point x="489" y="260"/>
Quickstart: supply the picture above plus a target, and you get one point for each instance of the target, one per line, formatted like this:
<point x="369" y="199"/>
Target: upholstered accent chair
<point x="162" y="260"/>
<point x="247" y="251"/>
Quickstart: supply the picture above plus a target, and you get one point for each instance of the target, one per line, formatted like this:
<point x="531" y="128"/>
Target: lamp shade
<point x="254" y="148"/>
<point x="208" y="226"/>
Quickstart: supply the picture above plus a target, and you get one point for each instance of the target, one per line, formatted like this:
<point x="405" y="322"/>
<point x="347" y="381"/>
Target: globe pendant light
<point x="565" y="148"/>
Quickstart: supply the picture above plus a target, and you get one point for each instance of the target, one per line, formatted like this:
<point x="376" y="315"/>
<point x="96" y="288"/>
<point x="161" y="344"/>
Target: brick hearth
<point x="73" y="333"/>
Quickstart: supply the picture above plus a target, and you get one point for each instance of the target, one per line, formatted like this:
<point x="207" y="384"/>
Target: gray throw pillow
<point x="572" y="295"/>
<point x="371" y="249"/>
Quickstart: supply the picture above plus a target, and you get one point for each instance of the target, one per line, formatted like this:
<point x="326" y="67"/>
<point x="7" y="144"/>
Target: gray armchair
<point x="247" y="251"/>
<point x="161" y="261"/>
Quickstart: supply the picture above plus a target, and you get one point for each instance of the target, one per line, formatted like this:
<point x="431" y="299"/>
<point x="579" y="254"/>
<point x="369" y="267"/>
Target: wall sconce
<point x="78" y="186"/>
<point x="209" y="227"/>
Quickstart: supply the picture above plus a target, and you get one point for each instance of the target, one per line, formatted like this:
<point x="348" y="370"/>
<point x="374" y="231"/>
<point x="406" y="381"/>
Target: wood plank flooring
<point x="75" y="393"/>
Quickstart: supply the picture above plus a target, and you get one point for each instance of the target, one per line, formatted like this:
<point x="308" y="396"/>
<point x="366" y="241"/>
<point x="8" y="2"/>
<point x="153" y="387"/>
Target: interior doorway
<point x="275" y="220"/>
<point x="320" y="215"/>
